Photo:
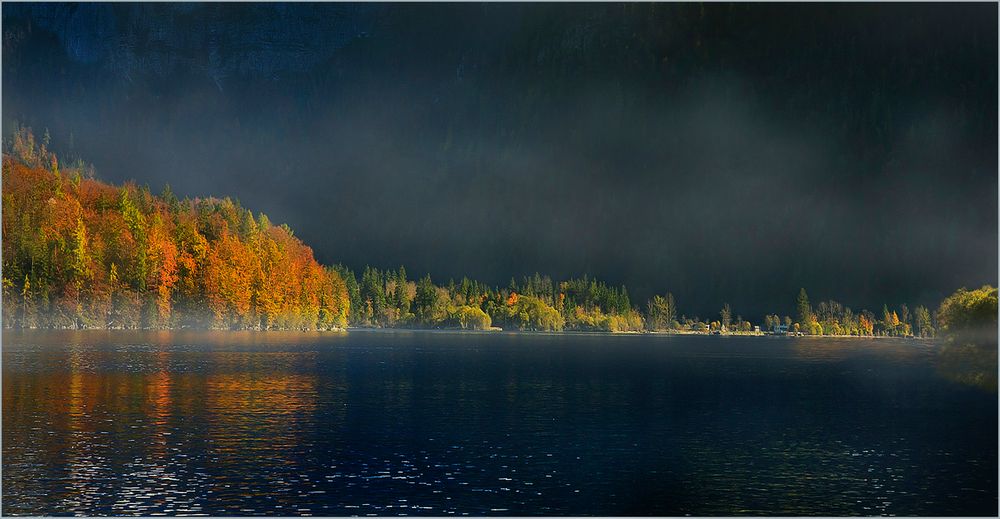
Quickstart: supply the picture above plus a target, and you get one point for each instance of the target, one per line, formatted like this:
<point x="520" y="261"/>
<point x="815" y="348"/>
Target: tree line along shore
<point x="81" y="253"/>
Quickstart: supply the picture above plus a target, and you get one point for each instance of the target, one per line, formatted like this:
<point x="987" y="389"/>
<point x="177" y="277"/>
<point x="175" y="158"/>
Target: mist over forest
<point x="723" y="153"/>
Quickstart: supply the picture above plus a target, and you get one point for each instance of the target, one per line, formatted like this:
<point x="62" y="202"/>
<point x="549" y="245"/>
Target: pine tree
<point x="922" y="321"/>
<point x="424" y="300"/>
<point x="804" y="309"/>
<point x="400" y="297"/>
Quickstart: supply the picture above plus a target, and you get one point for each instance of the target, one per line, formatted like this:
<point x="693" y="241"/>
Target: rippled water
<point x="232" y="423"/>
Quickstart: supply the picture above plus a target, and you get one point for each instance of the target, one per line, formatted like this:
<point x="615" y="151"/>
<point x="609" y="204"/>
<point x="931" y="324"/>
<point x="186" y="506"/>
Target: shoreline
<point x="584" y="333"/>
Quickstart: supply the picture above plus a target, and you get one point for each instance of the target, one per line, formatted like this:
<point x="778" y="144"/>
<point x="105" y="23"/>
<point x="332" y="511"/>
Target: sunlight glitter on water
<point x="505" y="428"/>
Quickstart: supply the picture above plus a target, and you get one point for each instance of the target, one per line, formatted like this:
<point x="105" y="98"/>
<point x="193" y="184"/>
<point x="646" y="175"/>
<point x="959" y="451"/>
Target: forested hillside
<point x="82" y="253"/>
<point x="385" y="298"/>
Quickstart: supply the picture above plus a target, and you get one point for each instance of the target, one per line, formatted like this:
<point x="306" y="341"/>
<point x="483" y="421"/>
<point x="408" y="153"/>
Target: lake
<point x="436" y="423"/>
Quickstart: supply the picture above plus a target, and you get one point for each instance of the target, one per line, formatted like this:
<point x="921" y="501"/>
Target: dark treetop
<point x="723" y="152"/>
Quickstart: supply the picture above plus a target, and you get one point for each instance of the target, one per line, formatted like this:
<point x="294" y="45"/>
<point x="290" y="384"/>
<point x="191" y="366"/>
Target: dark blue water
<point x="231" y="423"/>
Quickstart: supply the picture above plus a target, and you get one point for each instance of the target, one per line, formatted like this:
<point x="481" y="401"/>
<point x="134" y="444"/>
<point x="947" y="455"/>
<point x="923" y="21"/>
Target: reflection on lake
<point x="243" y="423"/>
<point x="969" y="363"/>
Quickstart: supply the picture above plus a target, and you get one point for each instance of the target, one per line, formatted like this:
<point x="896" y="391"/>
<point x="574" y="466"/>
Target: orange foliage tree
<point x="81" y="253"/>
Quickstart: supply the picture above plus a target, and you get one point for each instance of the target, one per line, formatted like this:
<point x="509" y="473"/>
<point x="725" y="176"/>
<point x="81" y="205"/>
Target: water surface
<point x="265" y="423"/>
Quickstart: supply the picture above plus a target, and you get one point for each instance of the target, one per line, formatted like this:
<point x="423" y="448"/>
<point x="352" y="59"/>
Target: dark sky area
<point x="722" y="152"/>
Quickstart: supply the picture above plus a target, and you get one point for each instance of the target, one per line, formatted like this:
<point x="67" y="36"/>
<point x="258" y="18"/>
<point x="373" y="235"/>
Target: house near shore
<point x="780" y="329"/>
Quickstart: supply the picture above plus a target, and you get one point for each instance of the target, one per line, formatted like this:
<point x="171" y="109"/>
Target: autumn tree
<point x="661" y="312"/>
<point x="87" y="254"/>
<point x="969" y="312"/>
